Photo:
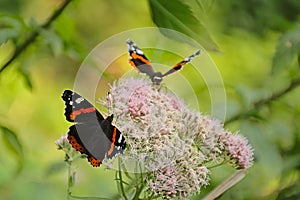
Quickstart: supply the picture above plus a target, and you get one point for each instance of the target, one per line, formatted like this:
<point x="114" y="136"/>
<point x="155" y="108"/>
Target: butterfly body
<point x="142" y="64"/>
<point x="92" y="134"/>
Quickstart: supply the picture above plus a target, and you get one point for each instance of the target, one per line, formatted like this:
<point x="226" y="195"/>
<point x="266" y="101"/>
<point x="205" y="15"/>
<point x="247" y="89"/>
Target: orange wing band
<point x="75" y="113"/>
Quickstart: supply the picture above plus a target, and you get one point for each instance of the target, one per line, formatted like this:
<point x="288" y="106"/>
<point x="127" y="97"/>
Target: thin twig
<point x="34" y="34"/>
<point x="258" y="104"/>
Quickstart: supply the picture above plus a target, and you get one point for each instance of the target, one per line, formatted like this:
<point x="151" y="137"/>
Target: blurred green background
<point x="255" y="45"/>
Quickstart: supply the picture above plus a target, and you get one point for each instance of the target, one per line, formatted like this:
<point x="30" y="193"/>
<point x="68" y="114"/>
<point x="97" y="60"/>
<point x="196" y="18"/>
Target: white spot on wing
<point x="120" y="139"/>
<point x="138" y="51"/>
<point x="79" y="100"/>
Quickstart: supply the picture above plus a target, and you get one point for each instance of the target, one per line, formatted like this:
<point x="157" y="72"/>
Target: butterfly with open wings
<point x="140" y="62"/>
<point x="91" y="134"/>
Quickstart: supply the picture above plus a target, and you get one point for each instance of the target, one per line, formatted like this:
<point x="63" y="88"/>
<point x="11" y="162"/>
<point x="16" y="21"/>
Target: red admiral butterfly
<point x="91" y="134"/>
<point x="140" y="62"/>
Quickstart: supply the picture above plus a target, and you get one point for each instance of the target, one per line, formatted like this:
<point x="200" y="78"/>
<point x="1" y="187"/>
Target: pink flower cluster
<point x="172" y="144"/>
<point x="216" y="143"/>
<point x="239" y="150"/>
<point x="62" y="142"/>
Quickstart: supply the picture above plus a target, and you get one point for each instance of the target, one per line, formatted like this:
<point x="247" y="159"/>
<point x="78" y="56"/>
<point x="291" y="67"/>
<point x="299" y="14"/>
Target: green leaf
<point x="55" y="168"/>
<point x="290" y="193"/>
<point x="27" y="78"/>
<point x="71" y="181"/>
<point x="66" y="28"/>
<point x="11" y="27"/>
<point x="53" y="40"/>
<point x="205" y="5"/>
<point x="11" y="6"/>
<point x="177" y="15"/>
<point x="287" y="50"/>
<point x="12" y="142"/>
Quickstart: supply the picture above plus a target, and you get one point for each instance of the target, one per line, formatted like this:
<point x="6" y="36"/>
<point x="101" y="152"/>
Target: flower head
<point x="62" y="142"/>
<point x="169" y="141"/>
<point x="239" y="150"/>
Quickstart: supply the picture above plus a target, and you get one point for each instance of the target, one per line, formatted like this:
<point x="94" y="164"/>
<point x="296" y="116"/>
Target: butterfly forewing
<point x="179" y="65"/>
<point x="79" y="109"/>
<point x="138" y="59"/>
<point x="140" y="62"/>
<point x="92" y="134"/>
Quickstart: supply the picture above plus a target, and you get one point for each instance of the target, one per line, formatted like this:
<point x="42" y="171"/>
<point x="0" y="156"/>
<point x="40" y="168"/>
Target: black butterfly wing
<point x="179" y="65"/>
<point x="78" y="109"/>
<point x="138" y="59"/>
<point x="92" y="134"/>
<point x="116" y="139"/>
<point x="77" y="144"/>
<point x="90" y="139"/>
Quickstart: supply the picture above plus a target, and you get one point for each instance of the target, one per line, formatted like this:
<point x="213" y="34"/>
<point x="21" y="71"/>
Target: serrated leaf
<point x="11" y="27"/>
<point x="177" y="15"/>
<point x="12" y="142"/>
<point x="205" y="5"/>
<point x="287" y="50"/>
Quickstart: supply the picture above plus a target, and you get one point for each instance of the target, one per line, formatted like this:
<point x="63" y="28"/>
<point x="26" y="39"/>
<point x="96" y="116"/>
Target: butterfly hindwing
<point x="92" y="135"/>
<point x="77" y="144"/>
<point x="93" y="139"/>
<point x="117" y="140"/>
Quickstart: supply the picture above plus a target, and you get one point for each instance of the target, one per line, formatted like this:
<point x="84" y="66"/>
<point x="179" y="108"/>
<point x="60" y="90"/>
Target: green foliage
<point x="177" y="15"/>
<point x="12" y="141"/>
<point x="287" y="50"/>
<point x="10" y="6"/>
<point x="13" y="145"/>
<point x="68" y="41"/>
<point x="71" y="180"/>
<point x="256" y="38"/>
<point x="259" y="17"/>
<point x="53" y="40"/>
<point x="11" y="28"/>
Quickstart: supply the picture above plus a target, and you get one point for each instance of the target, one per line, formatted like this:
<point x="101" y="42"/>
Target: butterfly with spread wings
<point x="142" y="64"/>
<point x="91" y="134"/>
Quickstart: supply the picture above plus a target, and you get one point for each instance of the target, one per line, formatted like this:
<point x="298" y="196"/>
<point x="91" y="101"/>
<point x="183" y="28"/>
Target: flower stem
<point x="69" y="164"/>
<point x="138" y="192"/>
<point x="120" y="179"/>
